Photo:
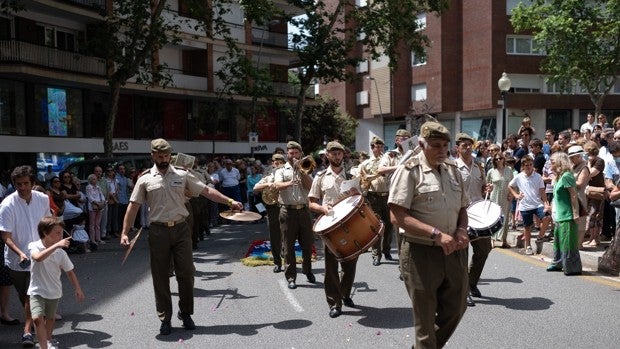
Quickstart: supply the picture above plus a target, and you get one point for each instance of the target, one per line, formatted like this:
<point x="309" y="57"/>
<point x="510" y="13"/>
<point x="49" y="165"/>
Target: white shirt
<point x="45" y="275"/>
<point x="21" y="220"/>
<point x="587" y="126"/>
<point x="530" y="187"/>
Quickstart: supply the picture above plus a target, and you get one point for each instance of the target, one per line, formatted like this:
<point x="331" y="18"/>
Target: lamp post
<point x="368" y="77"/>
<point x="254" y="96"/>
<point x="504" y="86"/>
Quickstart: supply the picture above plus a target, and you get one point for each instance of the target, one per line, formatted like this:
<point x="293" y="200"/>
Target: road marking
<point x="542" y="261"/>
<point x="290" y="297"/>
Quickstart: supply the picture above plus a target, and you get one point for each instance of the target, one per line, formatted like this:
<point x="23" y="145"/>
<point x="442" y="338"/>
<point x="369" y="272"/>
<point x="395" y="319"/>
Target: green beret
<point x="462" y="136"/>
<point x="403" y="133"/>
<point x="293" y="145"/>
<point x="433" y="129"/>
<point x="276" y="157"/>
<point x="160" y="145"/>
<point x="333" y="145"/>
<point x="376" y="140"/>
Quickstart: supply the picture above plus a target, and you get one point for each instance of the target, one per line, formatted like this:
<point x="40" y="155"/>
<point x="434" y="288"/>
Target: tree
<point x="581" y="39"/>
<point x="329" y="35"/>
<point x="326" y="121"/>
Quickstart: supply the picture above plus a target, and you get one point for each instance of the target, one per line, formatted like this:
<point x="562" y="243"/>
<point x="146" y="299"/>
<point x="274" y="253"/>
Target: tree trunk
<point x="610" y="262"/>
<point x="299" y="110"/>
<point x="108" y="146"/>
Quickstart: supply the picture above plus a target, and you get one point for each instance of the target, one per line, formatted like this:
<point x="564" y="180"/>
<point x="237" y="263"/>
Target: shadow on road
<point x="533" y="303"/>
<point x="242" y="330"/>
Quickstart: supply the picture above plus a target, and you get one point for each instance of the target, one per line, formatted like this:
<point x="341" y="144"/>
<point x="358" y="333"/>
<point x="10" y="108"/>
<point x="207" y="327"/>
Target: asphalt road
<point x="237" y="306"/>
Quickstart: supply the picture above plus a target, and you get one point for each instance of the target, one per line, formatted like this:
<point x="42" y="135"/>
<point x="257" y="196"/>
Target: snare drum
<point x="485" y="219"/>
<point x="350" y="229"/>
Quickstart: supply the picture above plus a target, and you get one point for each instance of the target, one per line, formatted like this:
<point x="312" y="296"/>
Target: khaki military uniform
<point x="377" y="196"/>
<point x="295" y="223"/>
<point x="169" y="234"/>
<point x="436" y="283"/>
<point x="273" y="213"/>
<point x="474" y="180"/>
<point x="326" y="189"/>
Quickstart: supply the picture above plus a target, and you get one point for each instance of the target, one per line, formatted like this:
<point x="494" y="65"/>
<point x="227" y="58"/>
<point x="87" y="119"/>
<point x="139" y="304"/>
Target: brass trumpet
<point x="306" y="164"/>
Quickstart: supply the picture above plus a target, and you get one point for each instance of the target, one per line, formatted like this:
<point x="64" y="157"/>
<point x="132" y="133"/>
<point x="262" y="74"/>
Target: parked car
<point x="82" y="169"/>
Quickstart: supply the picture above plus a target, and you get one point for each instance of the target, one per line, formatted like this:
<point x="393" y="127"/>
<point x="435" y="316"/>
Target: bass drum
<point x="350" y="229"/>
<point x="485" y="219"/>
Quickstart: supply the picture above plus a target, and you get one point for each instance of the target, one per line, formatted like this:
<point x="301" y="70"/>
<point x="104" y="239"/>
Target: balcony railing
<point x="290" y="90"/>
<point x="90" y="4"/>
<point x="24" y="52"/>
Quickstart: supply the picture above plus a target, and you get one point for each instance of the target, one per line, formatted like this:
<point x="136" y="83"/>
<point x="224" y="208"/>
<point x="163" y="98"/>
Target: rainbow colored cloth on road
<point x="259" y="253"/>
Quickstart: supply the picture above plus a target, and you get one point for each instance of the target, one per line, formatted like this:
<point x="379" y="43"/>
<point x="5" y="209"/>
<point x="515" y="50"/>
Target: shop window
<point x="12" y="104"/>
<point x="480" y="128"/>
<point x="57" y="112"/>
<point x="210" y="120"/>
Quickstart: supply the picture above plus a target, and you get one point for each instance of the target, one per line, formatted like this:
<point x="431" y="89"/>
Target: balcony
<point x="269" y="38"/>
<point x="290" y="90"/>
<point x="88" y="4"/>
<point x="13" y="51"/>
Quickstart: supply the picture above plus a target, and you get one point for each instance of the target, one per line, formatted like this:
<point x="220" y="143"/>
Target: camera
<point x="24" y="264"/>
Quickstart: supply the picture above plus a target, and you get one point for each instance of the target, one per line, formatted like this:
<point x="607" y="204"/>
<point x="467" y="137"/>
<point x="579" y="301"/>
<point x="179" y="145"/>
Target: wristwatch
<point x="434" y="233"/>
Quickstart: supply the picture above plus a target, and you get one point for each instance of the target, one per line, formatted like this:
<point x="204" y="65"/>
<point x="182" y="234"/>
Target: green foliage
<point x="10" y="6"/>
<point x="326" y="120"/>
<point x="581" y="39"/>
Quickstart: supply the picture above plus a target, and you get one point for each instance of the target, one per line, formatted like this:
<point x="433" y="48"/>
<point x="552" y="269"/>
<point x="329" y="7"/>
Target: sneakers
<point x="27" y="340"/>
<point x="528" y="251"/>
<point x="51" y="345"/>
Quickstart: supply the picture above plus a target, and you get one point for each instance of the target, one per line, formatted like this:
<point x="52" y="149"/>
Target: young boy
<point x="45" y="289"/>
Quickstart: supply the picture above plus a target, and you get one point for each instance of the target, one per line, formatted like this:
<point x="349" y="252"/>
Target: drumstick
<point x="131" y="244"/>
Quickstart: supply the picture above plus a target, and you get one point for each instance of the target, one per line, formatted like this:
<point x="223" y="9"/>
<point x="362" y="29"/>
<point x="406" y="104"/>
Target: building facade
<point x="54" y="97"/>
<point x="472" y="44"/>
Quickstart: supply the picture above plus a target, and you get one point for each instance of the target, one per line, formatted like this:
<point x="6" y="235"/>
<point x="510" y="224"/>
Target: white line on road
<point x="289" y="296"/>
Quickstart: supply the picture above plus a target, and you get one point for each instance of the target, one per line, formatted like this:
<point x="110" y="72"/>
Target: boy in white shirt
<point x="45" y="289"/>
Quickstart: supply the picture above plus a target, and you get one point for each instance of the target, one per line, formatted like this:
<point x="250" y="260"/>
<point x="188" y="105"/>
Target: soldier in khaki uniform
<point x="428" y="201"/>
<point x="273" y="211"/>
<point x="325" y="192"/>
<point x="377" y="195"/>
<point x="476" y="186"/>
<point x="163" y="188"/>
<point x="388" y="164"/>
<point x="295" y="219"/>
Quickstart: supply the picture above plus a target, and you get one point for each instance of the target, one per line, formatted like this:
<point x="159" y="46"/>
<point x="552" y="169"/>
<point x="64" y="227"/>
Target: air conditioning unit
<point x="362" y="67"/>
<point x="361" y="98"/>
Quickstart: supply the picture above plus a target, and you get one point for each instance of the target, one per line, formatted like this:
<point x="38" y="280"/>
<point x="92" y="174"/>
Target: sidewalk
<point x="589" y="256"/>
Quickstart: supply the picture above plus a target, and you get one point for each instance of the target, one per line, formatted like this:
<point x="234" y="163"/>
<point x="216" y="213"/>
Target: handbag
<point x="595" y="193"/>
<point x="71" y="211"/>
<point x="98" y="205"/>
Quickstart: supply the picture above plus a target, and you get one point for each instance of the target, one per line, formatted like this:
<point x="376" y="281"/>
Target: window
<point x="523" y="45"/>
<point x="556" y="87"/>
<point x="12" y="108"/>
<point x="361" y="98"/>
<point x="58" y="38"/>
<point x="362" y="67"/>
<point x="480" y="128"/>
<point x="417" y="60"/>
<point x="420" y="21"/>
<point x="418" y="92"/>
<point x="5" y="28"/>
<point x="57" y="112"/>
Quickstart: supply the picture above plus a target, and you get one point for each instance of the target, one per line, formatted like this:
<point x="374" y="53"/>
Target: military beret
<point x="276" y="157"/>
<point x="377" y="140"/>
<point x="293" y="145"/>
<point x="160" y="145"/>
<point x="462" y="136"/>
<point x="333" y="145"/>
<point x="433" y="129"/>
<point x="403" y="133"/>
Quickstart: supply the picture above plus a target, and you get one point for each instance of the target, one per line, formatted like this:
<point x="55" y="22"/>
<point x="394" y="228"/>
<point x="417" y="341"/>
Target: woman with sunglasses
<point x="500" y="175"/>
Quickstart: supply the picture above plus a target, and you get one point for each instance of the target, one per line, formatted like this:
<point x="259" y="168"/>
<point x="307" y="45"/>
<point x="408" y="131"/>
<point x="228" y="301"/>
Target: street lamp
<point x="504" y="86"/>
<point x="368" y="77"/>
<point x="254" y="96"/>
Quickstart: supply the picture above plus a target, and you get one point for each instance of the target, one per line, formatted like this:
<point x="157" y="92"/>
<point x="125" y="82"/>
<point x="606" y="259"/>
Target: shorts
<point x="5" y="276"/>
<point x="21" y="280"/>
<point x="528" y="216"/>
<point x="43" y="307"/>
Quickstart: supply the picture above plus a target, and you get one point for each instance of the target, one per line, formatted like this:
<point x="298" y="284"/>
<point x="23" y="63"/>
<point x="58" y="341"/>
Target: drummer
<point x="324" y="193"/>
<point x="429" y="202"/>
<point x="477" y="188"/>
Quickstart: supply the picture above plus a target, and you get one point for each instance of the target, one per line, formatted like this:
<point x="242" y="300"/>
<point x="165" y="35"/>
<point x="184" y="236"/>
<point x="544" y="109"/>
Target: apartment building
<point x="54" y="96"/>
<point x="472" y="44"/>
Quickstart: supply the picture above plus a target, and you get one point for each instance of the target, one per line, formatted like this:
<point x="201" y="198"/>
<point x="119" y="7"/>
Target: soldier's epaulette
<point x="411" y="163"/>
<point x="180" y="168"/>
<point x="450" y="162"/>
<point x="145" y="172"/>
<point x="320" y="173"/>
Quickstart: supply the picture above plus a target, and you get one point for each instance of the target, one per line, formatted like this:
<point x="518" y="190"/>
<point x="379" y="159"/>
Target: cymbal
<point x="242" y="216"/>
